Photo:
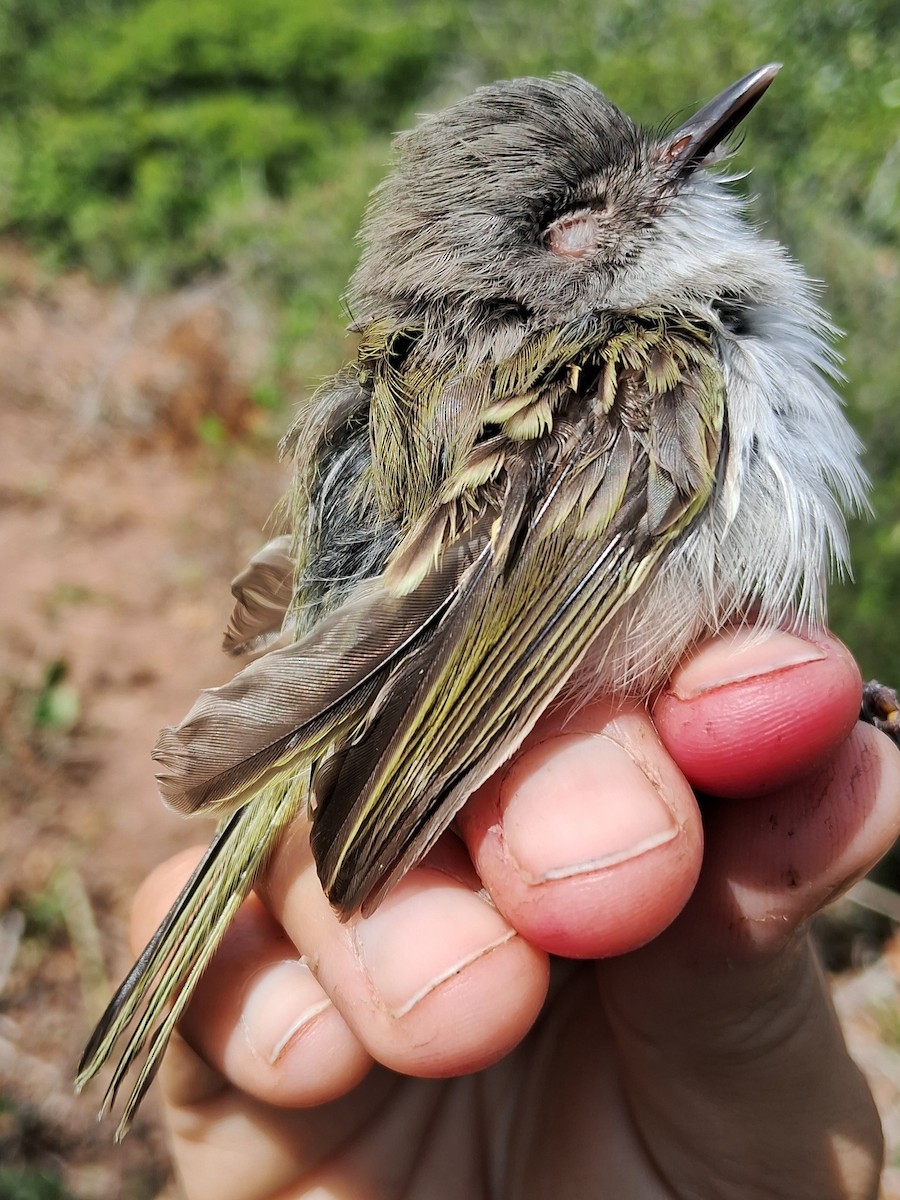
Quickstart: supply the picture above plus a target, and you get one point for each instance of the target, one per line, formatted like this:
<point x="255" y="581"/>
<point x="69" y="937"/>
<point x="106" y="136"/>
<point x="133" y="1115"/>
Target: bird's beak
<point x="689" y="145"/>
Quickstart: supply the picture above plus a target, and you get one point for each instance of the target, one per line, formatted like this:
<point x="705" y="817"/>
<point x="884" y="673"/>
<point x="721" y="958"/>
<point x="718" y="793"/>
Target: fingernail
<point x="741" y="655"/>
<point x="279" y="1007"/>
<point x="399" y="951"/>
<point x="580" y="803"/>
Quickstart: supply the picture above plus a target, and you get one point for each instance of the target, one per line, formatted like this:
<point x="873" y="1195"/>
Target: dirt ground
<point x="120" y="528"/>
<point x="135" y="477"/>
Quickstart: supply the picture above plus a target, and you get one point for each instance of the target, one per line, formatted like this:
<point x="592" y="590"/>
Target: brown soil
<point x="119" y="531"/>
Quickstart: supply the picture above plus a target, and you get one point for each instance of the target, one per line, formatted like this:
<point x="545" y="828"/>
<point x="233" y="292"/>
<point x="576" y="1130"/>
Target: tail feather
<point x="176" y="956"/>
<point x="124" y="1003"/>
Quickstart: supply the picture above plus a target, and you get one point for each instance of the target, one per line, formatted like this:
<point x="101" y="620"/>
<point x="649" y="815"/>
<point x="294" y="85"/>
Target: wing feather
<point x="290" y="705"/>
<point x="262" y="596"/>
<point x="520" y="633"/>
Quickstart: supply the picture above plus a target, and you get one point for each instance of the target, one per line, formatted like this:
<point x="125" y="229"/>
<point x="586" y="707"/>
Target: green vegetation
<point x="57" y="704"/>
<point x="157" y="139"/>
<point x="22" y="1183"/>
<point x="132" y="128"/>
<point x="20" y="1129"/>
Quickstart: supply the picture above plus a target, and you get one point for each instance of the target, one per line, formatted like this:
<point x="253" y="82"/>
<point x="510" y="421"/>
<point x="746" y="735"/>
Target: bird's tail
<point x="153" y="996"/>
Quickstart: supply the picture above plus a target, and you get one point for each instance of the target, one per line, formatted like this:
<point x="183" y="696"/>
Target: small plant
<point x="57" y="705"/>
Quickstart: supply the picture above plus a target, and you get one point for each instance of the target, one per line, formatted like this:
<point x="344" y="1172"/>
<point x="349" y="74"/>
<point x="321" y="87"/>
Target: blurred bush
<point x="158" y="139"/>
<point x="127" y="125"/>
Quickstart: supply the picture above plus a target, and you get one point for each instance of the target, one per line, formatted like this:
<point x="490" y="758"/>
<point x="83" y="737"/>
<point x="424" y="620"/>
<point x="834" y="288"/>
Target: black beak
<point x="689" y="145"/>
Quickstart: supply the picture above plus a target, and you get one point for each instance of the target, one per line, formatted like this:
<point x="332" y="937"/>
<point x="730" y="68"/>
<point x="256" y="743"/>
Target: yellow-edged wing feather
<point x="622" y="482"/>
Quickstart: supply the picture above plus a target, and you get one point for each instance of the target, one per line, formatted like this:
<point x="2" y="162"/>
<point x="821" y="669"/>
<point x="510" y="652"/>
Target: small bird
<point x="590" y="421"/>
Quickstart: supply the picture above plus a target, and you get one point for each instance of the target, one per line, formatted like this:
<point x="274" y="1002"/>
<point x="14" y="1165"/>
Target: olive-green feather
<point x="646" y="464"/>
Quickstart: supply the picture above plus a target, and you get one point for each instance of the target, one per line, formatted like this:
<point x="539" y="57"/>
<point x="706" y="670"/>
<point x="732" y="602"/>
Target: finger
<point x="258" y="1015"/>
<point x="776" y="714"/>
<point x="232" y="1146"/>
<point x="590" y="841"/>
<point x="776" y="860"/>
<point x="749" y="712"/>
<point x="725" y="1017"/>
<point x="435" y="982"/>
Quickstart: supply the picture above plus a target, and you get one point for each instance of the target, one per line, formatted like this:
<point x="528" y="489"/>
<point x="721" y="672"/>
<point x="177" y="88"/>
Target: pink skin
<point x="701" y="1059"/>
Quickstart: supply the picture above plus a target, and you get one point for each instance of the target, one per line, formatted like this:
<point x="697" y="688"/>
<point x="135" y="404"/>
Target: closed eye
<point x="575" y="234"/>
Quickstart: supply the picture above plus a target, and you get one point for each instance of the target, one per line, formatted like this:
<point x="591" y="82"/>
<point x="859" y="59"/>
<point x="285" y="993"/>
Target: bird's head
<point x="539" y="197"/>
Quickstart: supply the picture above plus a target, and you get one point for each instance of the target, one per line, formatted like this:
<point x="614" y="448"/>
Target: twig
<point x="85" y="938"/>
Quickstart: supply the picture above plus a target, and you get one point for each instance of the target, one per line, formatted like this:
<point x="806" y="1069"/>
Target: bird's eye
<point x="575" y="235"/>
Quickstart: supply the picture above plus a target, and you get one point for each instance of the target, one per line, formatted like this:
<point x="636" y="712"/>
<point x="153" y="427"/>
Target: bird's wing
<point x="573" y="542"/>
<point x="285" y="709"/>
<point x="426" y="678"/>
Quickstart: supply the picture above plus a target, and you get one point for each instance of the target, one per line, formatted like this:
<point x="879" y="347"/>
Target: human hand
<point x="692" y="1052"/>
